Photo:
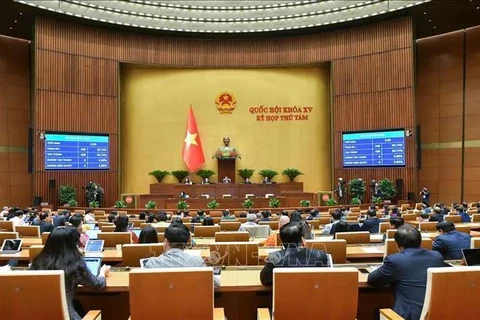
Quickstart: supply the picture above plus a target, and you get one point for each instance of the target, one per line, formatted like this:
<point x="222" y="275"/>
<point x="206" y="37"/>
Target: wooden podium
<point x="226" y="168"/>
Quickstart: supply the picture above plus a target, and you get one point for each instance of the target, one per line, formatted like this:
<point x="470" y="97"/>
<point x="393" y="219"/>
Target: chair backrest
<point x="100" y="224"/>
<point x="34" y="251"/>
<point x="28" y="231"/>
<point x="475" y="218"/>
<point x="160" y="228"/>
<point x="448" y="284"/>
<point x="427" y="226"/>
<point x="234" y="253"/>
<point x="82" y="212"/>
<point x="391" y="246"/>
<point x="404" y="207"/>
<point x="45" y="236"/>
<point x="216" y="220"/>
<point x="337" y="248"/>
<point x="322" y="285"/>
<point x="136" y="222"/>
<point x="229" y="226"/>
<point x="175" y="283"/>
<point x="206" y="231"/>
<point x="8" y="225"/>
<point x="7" y="235"/>
<point x="323" y="220"/>
<point x="315" y="223"/>
<point x="355" y="209"/>
<point x="216" y="213"/>
<point x="122" y="213"/>
<point x="475" y="243"/>
<point x="463" y="228"/>
<point x="107" y="228"/>
<point x="229" y="236"/>
<point x="453" y="218"/>
<point x="19" y="287"/>
<point x="132" y="253"/>
<point x="409" y="217"/>
<point x="113" y="238"/>
<point x="273" y="224"/>
<point x="418" y="206"/>
<point x="161" y="236"/>
<point x="391" y="233"/>
<point x="383" y="227"/>
<point x="354" y="237"/>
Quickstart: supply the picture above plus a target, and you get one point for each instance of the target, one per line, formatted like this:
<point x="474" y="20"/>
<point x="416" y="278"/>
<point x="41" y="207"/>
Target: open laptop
<point x="93" y="264"/>
<point x="137" y="232"/>
<point x="143" y="262"/>
<point x="11" y="246"/>
<point x="94" y="246"/>
<point x="92" y="234"/>
<point x="471" y="257"/>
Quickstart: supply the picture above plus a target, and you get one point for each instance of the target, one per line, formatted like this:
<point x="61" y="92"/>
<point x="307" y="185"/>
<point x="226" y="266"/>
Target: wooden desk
<point x="472" y="225"/>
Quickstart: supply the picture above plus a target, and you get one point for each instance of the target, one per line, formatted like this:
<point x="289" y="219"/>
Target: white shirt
<point x="88" y="217"/>
<point x="328" y="227"/>
<point x="16" y="221"/>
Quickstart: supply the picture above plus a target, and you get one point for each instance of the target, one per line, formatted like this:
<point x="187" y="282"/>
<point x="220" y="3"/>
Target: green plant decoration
<point x="182" y="205"/>
<point x="205" y="173"/>
<point x="355" y="201"/>
<point x="248" y="203"/>
<point x="305" y="203"/>
<point x="94" y="204"/>
<point x="377" y="200"/>
<point x="268" y="173"/>
<point x="291" y="173"/>
<point x="331" y="202"/>
<point x="180" y="175"/>
<point x="274" y="203"/>
<point x="245" y="173"/>
<point x="66" y="193"/>
<point x="213" y="204"/>
<point x="73" y="203"/>
<point x="120" y="204"/>
<point x="159" y="174"/>
<point x="387" y="188"/>
<point x="150" y="205"/>
<point x="357" y="188"/>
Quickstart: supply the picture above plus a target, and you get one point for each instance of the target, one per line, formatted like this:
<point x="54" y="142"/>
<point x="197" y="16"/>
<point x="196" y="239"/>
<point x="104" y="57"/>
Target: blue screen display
<point x="374" y="149"/>
<point x="76" y="152"/>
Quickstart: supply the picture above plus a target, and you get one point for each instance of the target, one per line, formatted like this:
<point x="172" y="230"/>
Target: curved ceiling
<point x="223" y="16"/>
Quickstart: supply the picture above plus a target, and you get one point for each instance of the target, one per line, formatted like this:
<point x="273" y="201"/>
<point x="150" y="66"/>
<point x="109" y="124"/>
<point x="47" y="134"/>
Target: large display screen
<point x="76" y="152"/>
<point x="374" y="149"/>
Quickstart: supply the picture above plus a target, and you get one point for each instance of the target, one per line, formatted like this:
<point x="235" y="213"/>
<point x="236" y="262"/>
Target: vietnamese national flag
<point x="192" y="151"/>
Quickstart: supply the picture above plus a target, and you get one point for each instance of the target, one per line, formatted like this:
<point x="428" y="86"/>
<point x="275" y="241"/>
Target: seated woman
<point x="208" y="221"/>
<point x="121" y="225"/>
<point x="148" y="235"/>
<point x="61" y="253"/>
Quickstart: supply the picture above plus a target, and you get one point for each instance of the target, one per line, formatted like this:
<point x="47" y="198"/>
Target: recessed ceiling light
<point x="21" y="13"/>
<point x="15" y="21"/>
<point x="434" y="27"/>
<point x="425" y="12"/>
<point x="11" y="28"/>
<point x="429" y="20"/>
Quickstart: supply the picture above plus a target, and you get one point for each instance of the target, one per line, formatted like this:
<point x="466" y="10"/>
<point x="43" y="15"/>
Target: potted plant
<point x="268" y="173"/>
<point x="66" y="193"/>
<point x="120" y="204"/>
<point x="213" y="204"/>
<point x="150" y="205"/>
<point x="274" y="203"/>
<point x="180" y="175"/>
<point x="94" y="204"/>
<point x="205" y="173"/>
<point x="182" y="205"/>
<point x="305" y="203"/>
<point x="388" y="191"/>
<point x="377" y="200"/>
<point x="245" y="173"/>
<point x="357" y="188"/>
<point x="331" y="202"/>
<point x="247" y="204"/>
<point x="291" y="173"/>
<point x="356" y="201"/>
<point x="73" y="203"/>
<point x="159" y="174"/>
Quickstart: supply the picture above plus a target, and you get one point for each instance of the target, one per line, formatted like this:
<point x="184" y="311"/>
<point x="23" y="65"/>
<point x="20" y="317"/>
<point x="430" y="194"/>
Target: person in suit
<point x="336" y="218"/>
<point x="265" y="216"/>
<point x="465" y="216"/>
<point x="450" y="242"/>
<point x="292" y="255"/>
<point x="247" y="181"/>
<point x="406" y="272"/>
<point x="438" y="214"/>
<point x="372" y="223"/>
<point x="177" y="237"/>
<point x="45" y="222"/>
<point x="227" y="180"/>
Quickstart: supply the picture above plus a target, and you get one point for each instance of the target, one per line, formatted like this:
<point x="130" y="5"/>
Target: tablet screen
<point x="12" y="245"/>
<point x="94" y="246"/>
<point x="92" y="234"/>
<point x="472" y="257"/>
<point x="93" y="264"/>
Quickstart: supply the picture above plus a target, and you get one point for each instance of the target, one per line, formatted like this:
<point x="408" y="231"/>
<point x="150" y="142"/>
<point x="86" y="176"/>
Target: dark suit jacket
<point x="406" y="272"/>
<point x="436" y="217"/>
<point x="371" y="225"/>
<point x="45" y="227"/>
<point x="450" y="244"/>
<point x="291" y="257"/>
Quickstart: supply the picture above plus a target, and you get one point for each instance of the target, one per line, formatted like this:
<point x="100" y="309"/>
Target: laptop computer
<point x="93" y="264"/>
<point x="137" y="232"/>
<point x="471" y="257"/>
<point x="92" y="234"/>
<point x="94" y="246"/>
<point x="11" y="246"/>
<point x="143" y="262"/>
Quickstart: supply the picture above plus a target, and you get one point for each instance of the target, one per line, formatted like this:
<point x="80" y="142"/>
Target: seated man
<point x="336" y="218"/>
<point x="45" y="224"/>
<point x="372" y="223"/>
<point x="406" y="272"/>
<point x="227" y="215"/>
<point x="438" y="214"/>
<point x="265" y="215"/>
<point x="200" y="217"/>
<point x="450" y="242"/>
<point x="272" y="239"/>
<point x="465" y="216"/>
<point x="251" y="218"/>
<point x="424" y="217"/>
<point x="161" y="220"/>
<point x="177" y="237"/>
<point x="293" y="255"/>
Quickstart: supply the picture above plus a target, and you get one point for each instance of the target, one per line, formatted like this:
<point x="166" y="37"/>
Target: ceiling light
<point x="21" y="13"/>
<point x="15" y="21"/>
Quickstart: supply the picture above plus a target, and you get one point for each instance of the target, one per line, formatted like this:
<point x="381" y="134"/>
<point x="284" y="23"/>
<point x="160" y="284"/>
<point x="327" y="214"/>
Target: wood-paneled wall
<point x="448" y="107"/>
<point x="15" y="181"/>
<point x="78" y="73"/>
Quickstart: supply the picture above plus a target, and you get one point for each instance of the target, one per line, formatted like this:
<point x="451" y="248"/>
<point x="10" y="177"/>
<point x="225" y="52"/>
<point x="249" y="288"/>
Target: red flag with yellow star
<point x="192" y="151"/>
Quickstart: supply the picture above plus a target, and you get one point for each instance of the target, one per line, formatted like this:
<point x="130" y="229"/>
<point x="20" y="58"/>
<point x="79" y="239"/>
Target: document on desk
<point x="372" y="250"/>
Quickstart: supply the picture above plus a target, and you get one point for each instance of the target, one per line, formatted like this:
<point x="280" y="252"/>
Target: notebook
<point x="11" y="246"/>
<point x="471" y="257"/>
<point x="93" y="264"/>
